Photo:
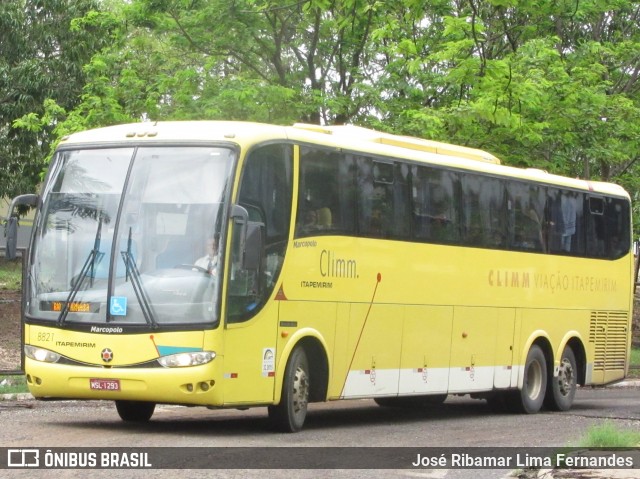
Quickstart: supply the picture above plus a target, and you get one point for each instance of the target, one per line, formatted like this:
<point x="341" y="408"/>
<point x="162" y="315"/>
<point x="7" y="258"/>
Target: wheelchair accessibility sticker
<point x="118" y="306"/>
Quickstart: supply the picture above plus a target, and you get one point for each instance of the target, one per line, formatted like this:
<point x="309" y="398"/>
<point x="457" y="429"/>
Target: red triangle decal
<point x="280" y="296"/>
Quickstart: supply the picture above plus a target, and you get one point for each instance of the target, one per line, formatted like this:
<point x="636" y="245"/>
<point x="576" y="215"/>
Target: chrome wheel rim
<point x="300" y="396"/>
<point x="566" y="377"/>
<point x="533" y="381"/>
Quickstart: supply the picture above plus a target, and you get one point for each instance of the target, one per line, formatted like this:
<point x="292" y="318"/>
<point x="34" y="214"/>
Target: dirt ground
<point x="10" y="330"/>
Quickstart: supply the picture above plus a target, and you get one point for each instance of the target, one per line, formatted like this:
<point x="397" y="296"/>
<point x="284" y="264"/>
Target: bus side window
<point x="326" y="191"/>
<point x="266" y="194"/>
<point x="483" y="211"/>
<point x="384" y="199"/>
<point x="565" y="212"/>
<point x="608" y="230"/>
<point x="526" y="205"/>
<point x="595" y="226"/>
<point x="435" y="203"/>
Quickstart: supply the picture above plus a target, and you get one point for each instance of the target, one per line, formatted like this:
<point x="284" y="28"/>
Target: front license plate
<point x="104" y="384"/>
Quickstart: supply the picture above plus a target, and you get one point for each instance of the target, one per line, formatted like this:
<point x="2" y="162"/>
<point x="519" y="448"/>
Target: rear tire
<point x="562" y="389"/>
<point x="290" y="414"/>
<point x="530" y="398"/>
<point x="135" y="411"/>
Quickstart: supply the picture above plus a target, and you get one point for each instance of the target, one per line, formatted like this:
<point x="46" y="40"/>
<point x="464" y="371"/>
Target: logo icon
<point x="23" y="458"/>
<point x="107" y="355"/>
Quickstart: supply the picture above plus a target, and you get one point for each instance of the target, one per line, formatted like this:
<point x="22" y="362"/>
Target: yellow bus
<point x="233" y="265"/>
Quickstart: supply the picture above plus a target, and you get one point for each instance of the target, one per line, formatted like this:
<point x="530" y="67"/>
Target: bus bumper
<point x="195" y="385"/>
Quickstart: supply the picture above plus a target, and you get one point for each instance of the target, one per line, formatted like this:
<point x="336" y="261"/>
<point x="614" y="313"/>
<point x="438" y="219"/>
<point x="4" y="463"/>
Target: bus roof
<point x="407" y="142"/>
<point x="347" y="137"/>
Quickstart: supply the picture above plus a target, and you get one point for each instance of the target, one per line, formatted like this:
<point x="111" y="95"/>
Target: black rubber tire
<point x="530" y="398"/>
<point x="561" y="390"/>
<point x="135" y="411"/>
<point x="290" y="414"/>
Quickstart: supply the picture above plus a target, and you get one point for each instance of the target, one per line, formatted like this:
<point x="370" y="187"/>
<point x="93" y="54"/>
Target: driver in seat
<point x="209" y="262"/>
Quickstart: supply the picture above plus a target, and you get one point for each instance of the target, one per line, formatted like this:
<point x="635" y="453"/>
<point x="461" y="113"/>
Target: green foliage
<point x="635" y="357"/>
<point x="44" y="50"/>
<point x="10" y="274"/>
<point x="13" y="385"/>
<point x="545" y="84"/>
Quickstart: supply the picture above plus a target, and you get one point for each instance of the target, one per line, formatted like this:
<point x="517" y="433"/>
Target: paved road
<point x="460" y="422"/>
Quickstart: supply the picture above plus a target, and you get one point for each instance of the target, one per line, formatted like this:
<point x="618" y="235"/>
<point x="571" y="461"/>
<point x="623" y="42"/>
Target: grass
<point x="608" y="435"/>
<point x="13" y="384"/>
<point x="635" y="357"/>
<point x="11" y="280"/>
<point x="10" y="274"/>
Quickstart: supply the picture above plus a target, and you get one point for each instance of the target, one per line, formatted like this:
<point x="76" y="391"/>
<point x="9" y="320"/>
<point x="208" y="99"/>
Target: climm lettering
<point x="331" y="266"/>
<point x="509" y="279"/>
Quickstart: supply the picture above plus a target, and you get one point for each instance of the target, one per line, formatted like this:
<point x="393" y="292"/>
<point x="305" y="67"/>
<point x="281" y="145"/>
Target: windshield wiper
<point x="133" y="273"/>
<point x="87" y="271"/>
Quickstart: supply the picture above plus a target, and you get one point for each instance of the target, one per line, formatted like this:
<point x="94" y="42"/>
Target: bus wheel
<point x="290" y="414"/>
<point x="135" y="411"/>
<point x="562" y="389"/>
<point x="530" y="398"/>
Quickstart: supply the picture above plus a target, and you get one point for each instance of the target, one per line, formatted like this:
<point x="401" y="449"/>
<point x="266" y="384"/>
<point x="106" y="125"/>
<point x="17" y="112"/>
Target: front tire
<point x="530" y="398"/>
<point x="562" y="389"/>
<point x="135" y="411"/>
<point x="290" y="414"/>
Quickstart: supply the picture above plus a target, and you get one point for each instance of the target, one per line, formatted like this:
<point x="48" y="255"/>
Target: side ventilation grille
<point x="609" y="332"/>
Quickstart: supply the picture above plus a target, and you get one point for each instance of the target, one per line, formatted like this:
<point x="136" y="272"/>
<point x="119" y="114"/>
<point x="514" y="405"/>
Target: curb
<point x="16" y="397"/>
<point x="628" y="383"/>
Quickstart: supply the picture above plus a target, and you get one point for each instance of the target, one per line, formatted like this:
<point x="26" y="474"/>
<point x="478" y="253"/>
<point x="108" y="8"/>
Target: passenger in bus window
<point x="616" y="250"/>
<point x="324" y="219"/>
<point x="569" y="214"/>
<point x="310" y="220"/>
<point x="315" y="220"/>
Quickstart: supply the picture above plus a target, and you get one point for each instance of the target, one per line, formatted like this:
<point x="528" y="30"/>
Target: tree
<point x="547" y="84"/>
<point x="544" y="84"/>
<point x="41" y="57"/>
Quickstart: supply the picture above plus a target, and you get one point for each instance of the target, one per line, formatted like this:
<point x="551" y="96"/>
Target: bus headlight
<point x="40" y="354"/>
<point x="182" y="360"/>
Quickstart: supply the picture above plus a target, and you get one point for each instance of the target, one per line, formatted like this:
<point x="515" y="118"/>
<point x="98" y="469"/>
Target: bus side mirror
<point x="11" y="233"/>
<point x="254" y="244"/>
<point x="11" y="226"/>
<point x="251" y="241"/>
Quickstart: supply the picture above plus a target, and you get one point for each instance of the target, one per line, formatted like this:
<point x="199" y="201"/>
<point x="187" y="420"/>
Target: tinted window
<point x="342" y="193"/>
<point x="565" y="232"/>
<point x="383" y="199"/>
<point x="326" y="194"/>
<point x="484" y="220"/>
<point x="525" y="210"/>
<point x="607" y="227"/>
<point x="266" y="194"/>
<point x="435" y="205"/>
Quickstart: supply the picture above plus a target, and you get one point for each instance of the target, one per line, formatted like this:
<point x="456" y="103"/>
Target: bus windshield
<point x="130" y="236"/>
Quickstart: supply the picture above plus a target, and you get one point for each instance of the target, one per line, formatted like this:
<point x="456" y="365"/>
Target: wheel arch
<point x="577" y="346"/>
<point x="319" y="365"/>
<point x="540" y="339"/>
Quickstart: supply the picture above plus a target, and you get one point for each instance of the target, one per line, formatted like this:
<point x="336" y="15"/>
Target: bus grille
<point x="608" y="332"/>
